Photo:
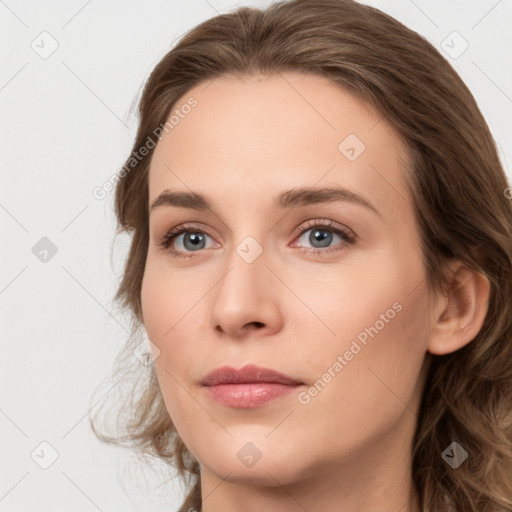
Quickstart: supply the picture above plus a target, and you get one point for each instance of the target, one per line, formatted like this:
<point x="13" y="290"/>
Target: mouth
<point x="248" y="387"/>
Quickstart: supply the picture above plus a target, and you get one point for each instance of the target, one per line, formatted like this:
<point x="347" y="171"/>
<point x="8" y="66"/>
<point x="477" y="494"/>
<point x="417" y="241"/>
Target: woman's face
<point x="327" y="288"/>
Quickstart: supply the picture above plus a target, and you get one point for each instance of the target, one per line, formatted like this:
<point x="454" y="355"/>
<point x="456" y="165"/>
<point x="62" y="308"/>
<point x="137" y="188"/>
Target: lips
<point x="248" y="387"/>
<point x="246" y="375"/>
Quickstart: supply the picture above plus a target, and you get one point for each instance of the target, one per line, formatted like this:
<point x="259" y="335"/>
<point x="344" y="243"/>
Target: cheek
<point x="153" y="300"/>
<point x="165" y="321"/>
<point x="156" y="300"/>
<point x="378" y="325"/>
<point x="167" y="297"/>
<point x="377" y="380"/>
<point x="173" y="307"/>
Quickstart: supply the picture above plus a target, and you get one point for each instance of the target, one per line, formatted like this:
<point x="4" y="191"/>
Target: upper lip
<point x="247" y="374"/>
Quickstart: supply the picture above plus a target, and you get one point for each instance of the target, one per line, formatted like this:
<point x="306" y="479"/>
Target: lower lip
<point x="249" y="394"/>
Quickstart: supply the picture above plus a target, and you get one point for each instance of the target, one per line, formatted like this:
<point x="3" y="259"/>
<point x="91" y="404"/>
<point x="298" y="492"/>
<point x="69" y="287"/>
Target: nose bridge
<point x="244" y="295"/>
<point x="246" y="270"/>
<point x="249" y="242"/>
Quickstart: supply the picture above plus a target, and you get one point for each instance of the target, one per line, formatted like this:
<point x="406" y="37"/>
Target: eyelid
<point x="178" y="230"/>
<point x="326" y="224"/>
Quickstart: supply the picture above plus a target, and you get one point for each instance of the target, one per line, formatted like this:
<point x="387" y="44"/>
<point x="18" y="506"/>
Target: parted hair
<point x="461" y="201"/>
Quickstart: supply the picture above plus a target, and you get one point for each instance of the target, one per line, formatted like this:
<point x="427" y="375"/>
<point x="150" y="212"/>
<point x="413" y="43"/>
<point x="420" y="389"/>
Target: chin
<point x="248" y="457"/>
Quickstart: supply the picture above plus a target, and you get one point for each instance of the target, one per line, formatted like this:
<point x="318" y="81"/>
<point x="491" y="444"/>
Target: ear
<point x="460" y="312"/>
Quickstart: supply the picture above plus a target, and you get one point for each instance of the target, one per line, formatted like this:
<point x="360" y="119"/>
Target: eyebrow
<point x="296" y="197"/>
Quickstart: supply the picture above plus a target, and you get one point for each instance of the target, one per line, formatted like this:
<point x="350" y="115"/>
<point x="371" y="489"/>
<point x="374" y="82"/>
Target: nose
<point x="246" y="301"/>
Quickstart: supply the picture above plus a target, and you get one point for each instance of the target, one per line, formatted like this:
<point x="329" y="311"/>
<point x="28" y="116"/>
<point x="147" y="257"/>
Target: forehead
<point x="255" y="135"/>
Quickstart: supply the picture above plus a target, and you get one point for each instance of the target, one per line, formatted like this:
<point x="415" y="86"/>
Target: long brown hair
<point x="458" y="187"/>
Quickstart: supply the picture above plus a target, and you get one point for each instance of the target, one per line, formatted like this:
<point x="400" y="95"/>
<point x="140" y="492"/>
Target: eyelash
<point x="337" y="229"/>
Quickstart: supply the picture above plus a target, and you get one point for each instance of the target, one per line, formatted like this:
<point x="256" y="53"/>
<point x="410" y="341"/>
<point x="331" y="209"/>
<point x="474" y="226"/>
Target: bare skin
<point x="346" y="446"/>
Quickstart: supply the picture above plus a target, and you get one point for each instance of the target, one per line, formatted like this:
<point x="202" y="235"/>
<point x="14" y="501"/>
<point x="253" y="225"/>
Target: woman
<point x="321" y="261"/>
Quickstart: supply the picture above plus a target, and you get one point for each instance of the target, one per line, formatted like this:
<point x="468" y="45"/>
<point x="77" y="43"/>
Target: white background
<point x="67" y="124"/>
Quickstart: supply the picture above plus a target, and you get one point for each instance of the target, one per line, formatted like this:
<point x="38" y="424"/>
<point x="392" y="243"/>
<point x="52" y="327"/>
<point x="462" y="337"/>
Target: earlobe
<point x="462" y="311"/>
